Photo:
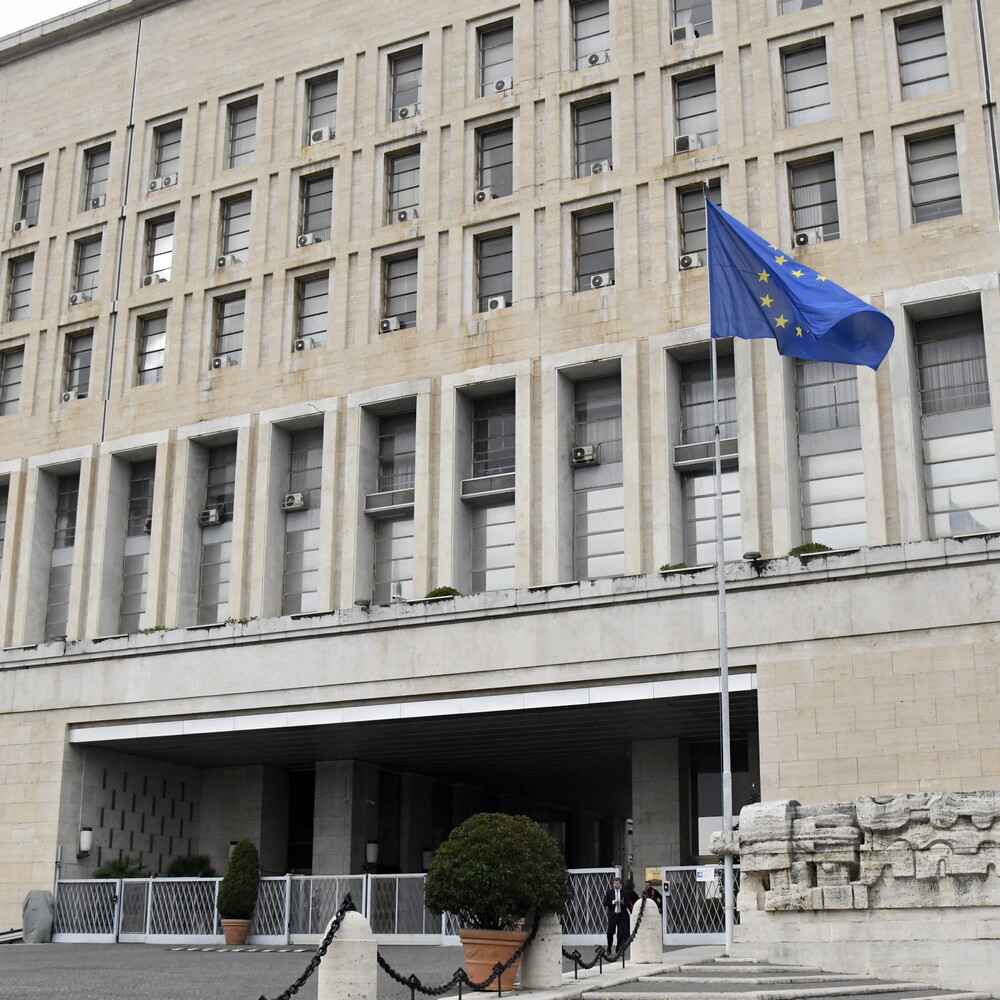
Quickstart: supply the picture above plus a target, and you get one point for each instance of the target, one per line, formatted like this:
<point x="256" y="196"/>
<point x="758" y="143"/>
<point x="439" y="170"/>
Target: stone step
<point x="756" y="977"/>
<point x="657" y="988"/>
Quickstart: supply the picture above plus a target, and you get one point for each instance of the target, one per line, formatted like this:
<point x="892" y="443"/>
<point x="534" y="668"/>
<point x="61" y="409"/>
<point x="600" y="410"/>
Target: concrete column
<point x="350" y="967"/>
<point x="541" y="967"/>
<point x="656" y="806"/>
<point x="334" y="817"/>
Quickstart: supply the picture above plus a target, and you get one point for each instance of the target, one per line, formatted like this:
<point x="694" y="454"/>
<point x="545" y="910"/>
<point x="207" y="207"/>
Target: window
<point x="960" y="466"/>
<point x="220" y="490"/>
<point x="592" y="137"/>
<point x="591" y="32"/>
<point x="812" y="186"/>
<point x="493" y="435"/>
<point x="312" y="296"/>
<point x="29" y="195"/>
<point x="402" y="186"/>
<point x="236" y="229"/>
<point x="691" y="211"/>
<point x="697" y="112"/>
<point x="393" y="559"/>
<point x="807" y="84"/>
<point x="96" y="162"/>
<point x="67" y="489"/>
<point x="242" y="134"/>
<point x="932" y="161"/>
<point x="492" y="548"/>
<point x="301" y="566"/>
<point x="594" y="248"/>
<point x="494" y="270"/>
<point x="216" y="539"/>
<point x="11" y="367"/>
<point x="495" y="160"/>
<point x="695" y="14"/>
<point x="697" y="424"/>
<point x="229" y="320"/>
<point x="159" y="249"/>
<point x="399" y="290"/>
<point x="167" y="151"/>
<point x="87" y="267"/>
<point x="397" y="442"/>
<point x="790" y="6"/>
<point x="496" y="58"/>
<point x="152" y="341"/>
<point x="135" y="563"/>
<point x="321" y="108"/>
<point x="317" y="204"/>
<point x="79" y="347"/>
<point x="405" y="71"/>
<point x="4" y="502"/>
<point x="20" y="272"/>
<point x="923" y="58"/>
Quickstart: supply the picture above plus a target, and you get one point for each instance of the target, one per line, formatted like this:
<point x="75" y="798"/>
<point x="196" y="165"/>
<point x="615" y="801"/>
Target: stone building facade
<point x="309" y="309"/>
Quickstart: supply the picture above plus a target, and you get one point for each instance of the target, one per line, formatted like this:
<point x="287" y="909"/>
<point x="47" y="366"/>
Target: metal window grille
<point x="493" y="427"/>
<point x="697" y="424"/>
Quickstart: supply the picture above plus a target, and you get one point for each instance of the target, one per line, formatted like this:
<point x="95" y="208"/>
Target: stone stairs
<point x="741" y="979"/>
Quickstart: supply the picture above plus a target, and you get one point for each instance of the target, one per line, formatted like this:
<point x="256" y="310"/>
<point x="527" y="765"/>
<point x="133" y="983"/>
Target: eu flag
<point x="755" y="290"/>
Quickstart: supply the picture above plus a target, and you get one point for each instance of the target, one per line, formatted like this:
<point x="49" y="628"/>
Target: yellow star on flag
<point x="780" y="260"/>
<point x="821" y="277"/>
<point x="798" y="331"/>
<point x="767" y="301"/>
<point x="781" y="321"/>
<point x="798" y="272"/>
<point x="763" y="276"/>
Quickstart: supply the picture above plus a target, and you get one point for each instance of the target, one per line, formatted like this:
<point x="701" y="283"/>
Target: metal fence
<point x="693" y="904"/>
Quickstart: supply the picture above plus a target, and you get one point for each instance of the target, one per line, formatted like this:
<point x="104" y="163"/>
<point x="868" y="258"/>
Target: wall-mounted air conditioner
<point x="224" y="361"/>
<point x="69" y="395"/>
<point x="602" y="280"/>
<point x="210" y="516"/>
<point x="583" y="455"/>
<point x="600" y="167"/>
<point x="683" y="33"/>
<point x="308" y="239"/>
<point x="504" y="83"/>
<point x="691" y="260"/>
<point x="407" y="111"/>
<point x="389" y="324"/>
<point x="496" y="302"/>
<point x="686" y="143"/>
<point x="168" y="180"/>
<point x="295" y="501"/>
<point x="806" y="236"/>
<point x="99" y="202"/>
<point x="227" y="260"/>
<point x="77" y="298"/>
<point x="406" y="215"/>
<point x="596" y="58"/>
<point x="152" y="279"/>
<point x="484" y="194"/>
<point x="303" y="344"/>
<point x="322" y="134"/>
<point x="22" y="224"/>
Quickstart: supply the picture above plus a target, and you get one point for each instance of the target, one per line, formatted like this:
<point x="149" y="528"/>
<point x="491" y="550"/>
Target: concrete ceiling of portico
<point x="572" y="757"/>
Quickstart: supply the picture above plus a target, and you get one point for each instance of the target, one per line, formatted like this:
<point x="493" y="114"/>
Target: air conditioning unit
<point x="308" y="239"/>
<point x="484" y="194"/>
<point x="99" y="202"/>
<point x="583" y="455"/>
<point x="78" y="297"/>
<point x="303" y="344"/>
<point x="322" y="134"/>
<point x="147" y="525"/>
<point x="224" y="361"/>
<point x="496" y="302"/>
<point x="602" y="280"/>
<point x="69" y="395"/>
<point x="152" y="279"/>
<point x="210" y="516"/>
<point x="388" y="324"/>
<point x="690" y="260"/>
<point x="806" y="236"/>
<point x="600" y="167"/>
<point x="295" y="501"/>
<point x="406" y="215"/>
<point x="596" y="58"/>
<point x="686" y="143"/>
<point x="683" y="33"/>
<point x="504" y="83"/>
<point x="168" y="180"/>
<point x="407" y="111"/>
<point x="226" y="260"/>
<point x="21" y="225"/>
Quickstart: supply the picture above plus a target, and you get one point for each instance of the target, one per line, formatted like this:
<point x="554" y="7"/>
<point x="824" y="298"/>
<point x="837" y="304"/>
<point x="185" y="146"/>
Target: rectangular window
<point x="791" y="6"/>
<point x="697" y="112"/>
<point x="152" y="342"/>
<point x="321" y="109"/>
<point x="932" y="161"/>
<point x="20" y="273"/>
<point x="405" y="72"/>
<point x="312" y="298"/>
<point x="87" y="266"/>
<point x="216" y="539"/>
<point x="594" y="248"/>
<point x="698" y="505"/>
<point x="812" y="187"/>
<point x="229" y="321"/>
<point x="96" y="163"/>
<point x="695" y="15"/>
<point x="29" y="195"/>
<point x="4" y="502"/>
<point x="236" y="229"/>
<point x="807" y="84"/>
<point x="591" y="32"/>
<point x="402" y="186"/>
<point x="397" y="442"/>
<point x="691" y="212"/>
<point x="61" y="559"/>
<point x="167" y="151"/>
<point x="399" y="290"/>
<point x="493" y="426"/>
<point x="496" y="58"/>
<point x="220" y="484"/>
<point x="697" y="425"/>
<point x="301" y="566"/>
<point x="492" y="548"/>
<point x="923" y="57"/>
<point x="159" y="249"/>
<point x="79" y="347"/>
<point x="317" y="204"/>
<point x="393" y="559"/>
<point x="135" y="564"/>
<point x="241" y="143"/>
<point x="11" y="367"/>
<point x="592" y="137"/>
<point x="495" y="161"/>
<point x="494" y="270"/>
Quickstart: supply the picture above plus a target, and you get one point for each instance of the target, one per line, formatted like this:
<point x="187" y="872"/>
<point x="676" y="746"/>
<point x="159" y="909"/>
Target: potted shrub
<point x="490" y="872"/>
<point x="238" y="892"/>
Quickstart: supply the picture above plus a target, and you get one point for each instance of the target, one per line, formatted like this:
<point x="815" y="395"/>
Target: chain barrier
<point x="602" y="955"/>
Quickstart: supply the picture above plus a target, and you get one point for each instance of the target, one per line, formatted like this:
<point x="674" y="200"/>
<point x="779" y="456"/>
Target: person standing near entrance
<point x="616" y="903"/>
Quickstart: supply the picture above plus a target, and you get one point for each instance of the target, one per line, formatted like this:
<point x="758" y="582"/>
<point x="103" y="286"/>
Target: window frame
<point x="241" y="132"/>
<point x="235" y="217"/>
<point x="406" y="70"/>
<point x="151" y="345"/>
<point x="796" y="84"/>
<point x="154" y="238"/>
<point x="680" y="8"/>
<point x="586" y="41"/>
<point x="87" y="265"/>
<point x="692" y="223"/>
<point x="923" y="86"/>
<point x="801" y="186"/>
<point x="166" y="150"/>
<point x="321" y="108"/>
<point x="11" y="379"/>
<point x="316" y="204"/>
<point x="491" y="70"/>
<point x="19" y="284"/>
<point x="919" y="206"/>
<point x="493" y="257"/>
<point x="588" y="245"/>
<point x="402" y="185"/>
<point x="593" y="134"/>
<point x="77" y="363"/>
<point x="312" y="290"/>
<point x="692" y="114"/>
<point x="502" y="169"/>
<point x="29" y="194"/>
<point x="228" y="310"/>
<point x="96" y="173"/>
<point x="400" y="286"/>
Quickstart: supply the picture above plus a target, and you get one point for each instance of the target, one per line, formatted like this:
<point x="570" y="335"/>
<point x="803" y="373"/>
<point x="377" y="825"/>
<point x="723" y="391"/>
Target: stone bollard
<point x="541" y="967"/>
<point x="647" y="948"/>
<point x="349" y="969"/>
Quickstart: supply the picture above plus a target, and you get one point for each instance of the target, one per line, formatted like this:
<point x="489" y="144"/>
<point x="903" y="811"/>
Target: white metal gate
<point x="693" y="904"/>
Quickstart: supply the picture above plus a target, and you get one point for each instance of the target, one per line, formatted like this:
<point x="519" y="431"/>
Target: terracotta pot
<point x="236" y="931"/>
<point x="483" y="949"/>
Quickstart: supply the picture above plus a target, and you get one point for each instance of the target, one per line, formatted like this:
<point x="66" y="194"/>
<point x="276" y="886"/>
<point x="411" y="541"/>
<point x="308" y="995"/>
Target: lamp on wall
<point x="86" y="842"/>
<point x="371" y="852"/>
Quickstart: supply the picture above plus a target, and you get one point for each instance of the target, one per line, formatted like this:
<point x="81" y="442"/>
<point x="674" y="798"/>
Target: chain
<point x="602" y="955"/>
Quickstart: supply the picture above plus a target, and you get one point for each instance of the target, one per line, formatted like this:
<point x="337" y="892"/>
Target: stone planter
<point x="483" y="949"/>
<point x="236" y="931"/>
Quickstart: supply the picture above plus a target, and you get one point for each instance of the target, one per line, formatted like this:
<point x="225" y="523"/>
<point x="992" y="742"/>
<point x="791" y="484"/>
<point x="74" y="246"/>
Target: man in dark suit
<point x="616" y="903"/>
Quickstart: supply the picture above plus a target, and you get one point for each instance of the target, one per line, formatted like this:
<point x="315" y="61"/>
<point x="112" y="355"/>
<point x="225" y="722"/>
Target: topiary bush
<point x="238" y="891"/>
<point x="493" y="869"/>
<point x="124" y="867"/>
<point x="192" y="866"/>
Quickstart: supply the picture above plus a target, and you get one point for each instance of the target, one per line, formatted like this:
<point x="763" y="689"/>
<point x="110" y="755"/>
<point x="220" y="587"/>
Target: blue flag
<point x="755" y="290"/>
